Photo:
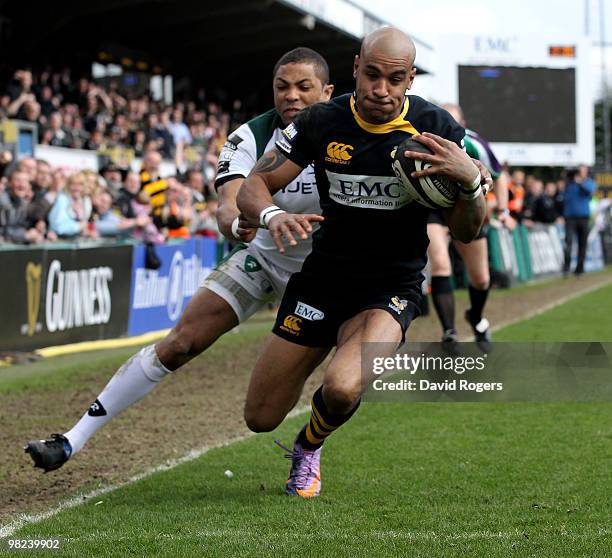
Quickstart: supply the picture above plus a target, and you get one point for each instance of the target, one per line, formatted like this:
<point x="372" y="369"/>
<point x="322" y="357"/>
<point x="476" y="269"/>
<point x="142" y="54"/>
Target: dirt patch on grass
<point x="198" y="406"/>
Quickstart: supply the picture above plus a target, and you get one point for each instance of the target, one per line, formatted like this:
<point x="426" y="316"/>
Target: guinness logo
<point x="292" y="324"/>
<point x="338" y="153"/>
<point x="33" y="276"/>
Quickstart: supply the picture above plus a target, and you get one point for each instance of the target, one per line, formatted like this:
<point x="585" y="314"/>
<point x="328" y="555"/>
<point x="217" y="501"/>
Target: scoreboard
<point x="530" y="96"/>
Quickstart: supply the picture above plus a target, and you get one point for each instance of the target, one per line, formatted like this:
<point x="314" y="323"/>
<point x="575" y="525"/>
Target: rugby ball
<point x="434" y="191"/>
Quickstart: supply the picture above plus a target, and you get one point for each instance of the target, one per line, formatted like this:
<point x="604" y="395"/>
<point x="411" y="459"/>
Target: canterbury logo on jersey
<point x="373" y="192"/>
<point x="292" y="325"/>
<point x="338" y="153"/>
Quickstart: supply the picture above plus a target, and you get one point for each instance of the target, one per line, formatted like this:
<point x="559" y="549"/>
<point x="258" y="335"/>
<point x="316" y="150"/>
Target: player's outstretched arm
<point x="271" y="173"/>
<point x="228" y="214"/>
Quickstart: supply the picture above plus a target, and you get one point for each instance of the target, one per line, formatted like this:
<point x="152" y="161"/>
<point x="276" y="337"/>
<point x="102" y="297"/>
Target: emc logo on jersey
<point x="338" y="153"/>
<point x="309" y="312"/>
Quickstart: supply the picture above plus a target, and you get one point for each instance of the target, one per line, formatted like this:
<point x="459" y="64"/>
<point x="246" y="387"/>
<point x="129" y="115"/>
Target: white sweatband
<point x="472" y="191"/>
<point x="267" y="213"/>
<point x="235" y="227"/>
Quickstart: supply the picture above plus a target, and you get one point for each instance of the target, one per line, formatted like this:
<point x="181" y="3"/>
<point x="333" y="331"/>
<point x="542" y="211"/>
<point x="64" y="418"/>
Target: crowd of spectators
<point x="39" y="204"/>
<point x="80" y="113"/>
<point x="532" y="200"/>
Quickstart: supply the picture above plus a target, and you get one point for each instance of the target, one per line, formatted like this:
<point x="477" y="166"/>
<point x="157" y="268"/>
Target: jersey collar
<point x="398" y="123"/>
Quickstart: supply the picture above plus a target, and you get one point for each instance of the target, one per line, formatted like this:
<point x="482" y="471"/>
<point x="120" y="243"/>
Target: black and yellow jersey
<point x="156" y="188"/>
<point x="372" y="229"/>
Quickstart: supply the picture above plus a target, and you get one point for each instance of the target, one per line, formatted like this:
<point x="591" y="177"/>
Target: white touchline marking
<point x="26" y="519"/>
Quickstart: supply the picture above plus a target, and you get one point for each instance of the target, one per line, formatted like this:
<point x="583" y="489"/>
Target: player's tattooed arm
<point x="269" y="162"/>
<point x="272" y="172"/>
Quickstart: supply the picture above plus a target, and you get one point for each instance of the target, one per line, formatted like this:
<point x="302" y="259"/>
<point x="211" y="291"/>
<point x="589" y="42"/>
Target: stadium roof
<point x="227" y="45"/>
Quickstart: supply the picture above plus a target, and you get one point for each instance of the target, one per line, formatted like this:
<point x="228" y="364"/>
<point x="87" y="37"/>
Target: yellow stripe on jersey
<point x="155" y="188"/>
<point x="398" y="123"/>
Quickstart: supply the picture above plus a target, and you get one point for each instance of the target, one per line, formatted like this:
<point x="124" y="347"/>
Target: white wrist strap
<point x="235" y="227"/>
<point x="471" y="192"/>
<point x="267" y="213"/>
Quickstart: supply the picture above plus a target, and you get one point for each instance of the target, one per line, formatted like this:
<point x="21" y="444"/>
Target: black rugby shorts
<point x="314" y="308"/>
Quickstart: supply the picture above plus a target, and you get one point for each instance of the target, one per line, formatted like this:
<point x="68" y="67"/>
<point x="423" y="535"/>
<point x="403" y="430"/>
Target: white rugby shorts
<point x="247" y="281"/>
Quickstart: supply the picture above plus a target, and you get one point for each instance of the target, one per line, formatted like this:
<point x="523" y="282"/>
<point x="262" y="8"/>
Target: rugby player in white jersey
<point x="243" y="283"/>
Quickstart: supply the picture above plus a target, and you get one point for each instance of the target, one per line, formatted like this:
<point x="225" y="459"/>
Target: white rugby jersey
<point x="238" y="157"/>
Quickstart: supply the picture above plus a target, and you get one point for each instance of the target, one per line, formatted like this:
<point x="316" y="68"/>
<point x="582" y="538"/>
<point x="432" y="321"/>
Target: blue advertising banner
<point x="159" y="296"/>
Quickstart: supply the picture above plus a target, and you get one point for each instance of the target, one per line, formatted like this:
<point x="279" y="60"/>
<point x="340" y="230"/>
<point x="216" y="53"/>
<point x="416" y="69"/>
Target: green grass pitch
<point x="427" y="480"/>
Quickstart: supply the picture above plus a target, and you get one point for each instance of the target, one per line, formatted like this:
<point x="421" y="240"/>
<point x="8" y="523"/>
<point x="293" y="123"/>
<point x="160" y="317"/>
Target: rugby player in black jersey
<point x="362" y="281"/>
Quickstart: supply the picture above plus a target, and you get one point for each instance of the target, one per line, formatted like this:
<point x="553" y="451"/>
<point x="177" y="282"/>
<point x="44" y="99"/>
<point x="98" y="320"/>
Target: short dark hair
<point x="305" y="55"/>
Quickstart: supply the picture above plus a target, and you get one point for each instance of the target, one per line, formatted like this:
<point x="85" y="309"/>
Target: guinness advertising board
<point x="57" y="296"/>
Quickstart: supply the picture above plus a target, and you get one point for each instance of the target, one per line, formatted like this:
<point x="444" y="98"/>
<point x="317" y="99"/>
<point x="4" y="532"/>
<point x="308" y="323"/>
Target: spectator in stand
<point x="14" y="223"/>
<point x="578" y="193"/>
<point x="112" y="224"/>
<point x="48" y="102"/>
<point x="155" y="132"/>
<point x="6" y="158"/>
<point x="93" y="183"/>
<point x="169" y="147"/>
<point x="128" y="192"/>
<point x="30" y="112"/>
<point x="139" y="142"/>
<point x="545" y="210"/>
<point x="60" y="137"/>
<point x="560" y="195"/>
<point x="29" y="166"/>
<point x="114" y="137"/>
<point x="516" y="193"/>
<point x="44" y="193"/>
<point x="58" y="183"/>
<point x="96" y="141"/>
<point x="533" y="190"/>
<point x="153" y="184"/>
<point x="208" y="225"/>
<point x="194" y="182"/>
<point x="79" y="135"/>
<point x="177" y="211"/>
<point x="69" y="217"/>
<point x="20" y="84"/>
<point x="112" y="174"/>
<point x="178" y="128"/>
<point x="20" y="92"/>
<point x="42" y="179"/>
<point x="132" y="203"/>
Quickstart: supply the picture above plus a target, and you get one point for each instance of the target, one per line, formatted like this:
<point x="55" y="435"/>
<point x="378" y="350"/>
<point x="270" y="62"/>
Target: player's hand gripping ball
<point x="435" y="191"/>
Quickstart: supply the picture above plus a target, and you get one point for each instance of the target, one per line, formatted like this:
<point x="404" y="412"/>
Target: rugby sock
<point x="137" y="377"/>
<point x="478" y="299"/>
<point x="444" y="300"/>
<point x="322" y="422"/>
